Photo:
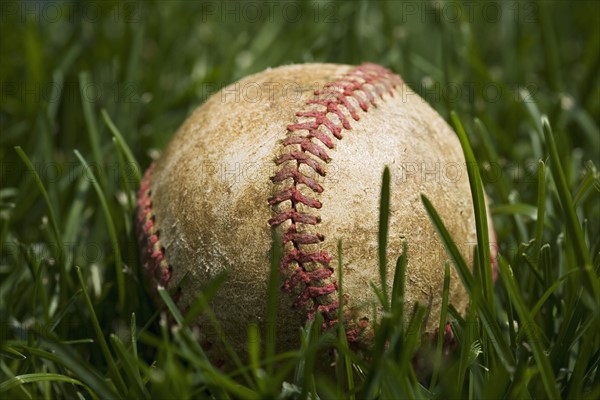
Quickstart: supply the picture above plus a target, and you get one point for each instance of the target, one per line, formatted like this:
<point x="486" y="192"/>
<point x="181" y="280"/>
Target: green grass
<point x="91" y="94"/>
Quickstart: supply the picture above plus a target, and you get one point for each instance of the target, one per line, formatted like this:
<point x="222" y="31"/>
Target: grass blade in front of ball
<point x="343" y="367"/>
<point x="384" y="217"/>
<point x="472" y="286"/>
<point x="440" y="337"/>
<point x="483" y="259"/>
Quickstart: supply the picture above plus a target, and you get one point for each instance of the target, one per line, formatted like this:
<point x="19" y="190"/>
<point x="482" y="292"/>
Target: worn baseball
<point x="301" y="149"/>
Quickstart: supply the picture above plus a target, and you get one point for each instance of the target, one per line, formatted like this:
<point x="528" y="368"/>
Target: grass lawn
<point x="91" y="92"/>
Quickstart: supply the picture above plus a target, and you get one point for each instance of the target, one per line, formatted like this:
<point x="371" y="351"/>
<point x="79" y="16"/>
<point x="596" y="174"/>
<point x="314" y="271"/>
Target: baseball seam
<point x="153" y="253"/>
<point x="325" y="118"/>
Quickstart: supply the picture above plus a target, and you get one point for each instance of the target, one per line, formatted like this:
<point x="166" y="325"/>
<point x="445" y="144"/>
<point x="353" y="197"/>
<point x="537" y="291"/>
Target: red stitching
<point x="153" y="254"/>
<point x="298" y="177"/>
<point x="302" y="158"/>
<point x="340" y="100"/>
<point x="295" y="196"/>
<point x="308" y="146"/>
<point x="295" y="217"/>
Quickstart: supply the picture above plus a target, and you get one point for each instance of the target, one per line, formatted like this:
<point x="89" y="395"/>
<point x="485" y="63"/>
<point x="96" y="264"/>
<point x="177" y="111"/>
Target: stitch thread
<point x="153" y="254"/>
<point x="307" y="144"/>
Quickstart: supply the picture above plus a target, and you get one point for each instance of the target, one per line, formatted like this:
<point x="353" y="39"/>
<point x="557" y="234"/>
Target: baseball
<point x="301" y="149"/>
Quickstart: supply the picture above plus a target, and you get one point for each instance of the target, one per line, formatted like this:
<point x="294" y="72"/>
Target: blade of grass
<point x="489" y="323"/>
<point x="535" y="115"/>
<point x="549" y="275"/>
<point x="590" y="180"/>
<point x="32" y="46"/>
<point x="75" y="218"/>
<point x="309" y="389"/>
<point x="61" y="256"/>
<point x="123" y="145"/>
<point x="441" y="327"/>
<point x="566" y="201"/>
<point x="384" y="216"/>
<point x="125" y="184"/>
<point x="253" y="346"/>
<point x="345" y="373"/>
<point x="62" y="312"/>
<point x="572" y="320"/>
<point x="541" y="208"/>
<point x="481" y="223"/>
<point x="112" y="366"/>
<point x="171" y="306"/>
<point x="544" y="297"/>
<point x="399" y="286"/>
<point x="514" y="209"/>
<point x="200" y="304"/>
<point x="467" y="339"/>
<point x="11" y="351"/>
<point x="593" y="371"/>
<point x="112" y="232"/>
<point x="213" y="320"/>
<point x="129" y="364"/>
<point x="188" y="350"/>
<point x="493" y="157"/>
<point x="576" y="381"/>
<point x="40" y="292"/>
<point x="550" y="291"/>
<point x="133" y="337"/>
<point x="463" y="270"/>
<point x="129" y="109"/>
<point x="499" y="181"/>
<point x="91" y="123"/>
<point x="550" y="45"/>
<point x="412" y="337"/>
<point x="51" y="213"/>
<point x="42" y="377"/>
<point x="399" y="385"/>
<point x="58" y="82"/>
<point x="530" y="328"/>
<point x="64" y="356"/>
